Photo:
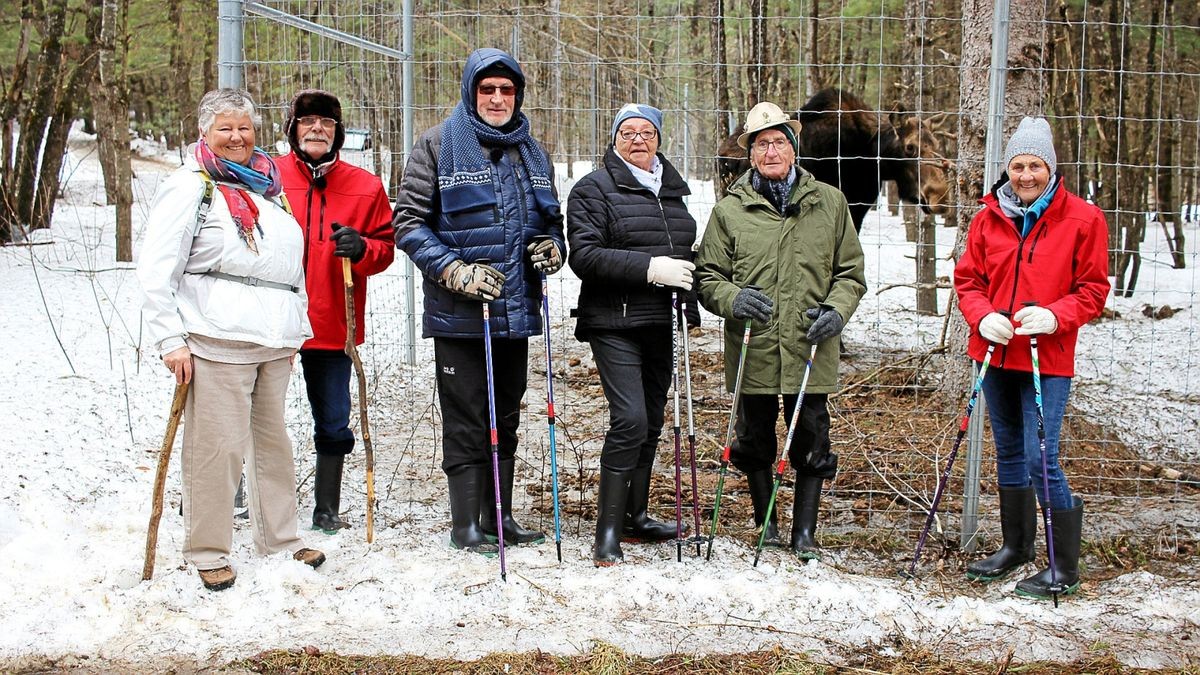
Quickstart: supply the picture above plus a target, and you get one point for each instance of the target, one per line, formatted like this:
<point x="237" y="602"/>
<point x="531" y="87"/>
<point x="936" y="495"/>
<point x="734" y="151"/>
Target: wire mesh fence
<point x="1119" y="81"/>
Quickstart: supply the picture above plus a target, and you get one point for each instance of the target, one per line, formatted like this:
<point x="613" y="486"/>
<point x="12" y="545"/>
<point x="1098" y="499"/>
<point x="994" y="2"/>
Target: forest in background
<point x="1120" y="80"/>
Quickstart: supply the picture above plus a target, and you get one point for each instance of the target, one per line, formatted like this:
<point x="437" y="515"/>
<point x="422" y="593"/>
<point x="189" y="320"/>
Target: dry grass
<point x="605" y="659"/>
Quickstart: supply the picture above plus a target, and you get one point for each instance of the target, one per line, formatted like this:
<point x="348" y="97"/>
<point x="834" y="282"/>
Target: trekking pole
<point x="1041" y="432"/>
<point x="787" y="444"/>
<point x="491" y="397"/>
<point x="550" y="417"/>
<point x="678" y="457"/>
<point x="737" y="391"/>
<point x="687" y="376"/>
<point x="962" y="432"/>
<point x="352" y="352"/>
<point x="160" y="478"/>
<point x="725" y="452"/>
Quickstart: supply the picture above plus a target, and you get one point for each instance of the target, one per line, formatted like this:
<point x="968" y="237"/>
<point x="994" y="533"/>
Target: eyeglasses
<point x="314" y="120"/>
<point x="490" y="89"/>
<point x="629" y="134"/>
<point x="779" y="144"/>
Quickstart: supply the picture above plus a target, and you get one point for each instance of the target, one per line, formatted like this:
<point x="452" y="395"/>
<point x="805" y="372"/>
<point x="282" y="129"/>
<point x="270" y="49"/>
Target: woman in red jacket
<point x="1038" y="254"/>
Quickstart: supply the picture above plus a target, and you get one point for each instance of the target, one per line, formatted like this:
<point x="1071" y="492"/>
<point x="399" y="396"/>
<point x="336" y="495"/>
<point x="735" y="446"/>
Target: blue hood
<point x="480" y="60"/>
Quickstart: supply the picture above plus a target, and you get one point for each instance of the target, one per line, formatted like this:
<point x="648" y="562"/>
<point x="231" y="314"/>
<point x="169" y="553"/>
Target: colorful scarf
<point x="464" y="173"/>
<point x="262" y="176"/>
<point x="1023" y="216"/>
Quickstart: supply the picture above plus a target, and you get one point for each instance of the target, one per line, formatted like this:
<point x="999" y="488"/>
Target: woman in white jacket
<point x="222" y="270"/>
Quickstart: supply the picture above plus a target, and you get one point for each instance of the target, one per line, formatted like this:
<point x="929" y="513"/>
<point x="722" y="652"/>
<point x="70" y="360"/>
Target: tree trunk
<point x="757" y="71"/>
<point x="720" y="69"/>
<point x="1022" y="97"/>
<point x="9" y="106"/>
<point x="60" y="122"/>
<point x="111" y="100"/>
<point x="17" y="205"/>
<point x="184" y="128"/>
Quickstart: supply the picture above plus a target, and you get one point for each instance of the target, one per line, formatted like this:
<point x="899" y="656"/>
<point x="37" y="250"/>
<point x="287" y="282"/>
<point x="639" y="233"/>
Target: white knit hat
<point x="1032" y="137"/>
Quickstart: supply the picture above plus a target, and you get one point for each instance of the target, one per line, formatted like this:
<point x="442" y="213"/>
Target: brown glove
<point x="476" y="280"/>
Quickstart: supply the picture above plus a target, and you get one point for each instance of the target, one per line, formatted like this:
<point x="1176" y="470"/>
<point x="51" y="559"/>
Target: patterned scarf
<point x="775" y="191"/>
<point x="465" y="174"/>
<point x="262" y="176"/>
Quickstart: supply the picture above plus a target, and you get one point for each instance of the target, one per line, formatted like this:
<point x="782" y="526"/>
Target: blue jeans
<point x="1013" y="413"/>
<point x="327" y="379"/>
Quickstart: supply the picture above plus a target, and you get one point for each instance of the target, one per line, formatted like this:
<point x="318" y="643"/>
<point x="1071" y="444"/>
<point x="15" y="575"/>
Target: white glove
<point x="668" y="271"/>
<point x="996" y="327"/>
<point x="1035" y="320"/>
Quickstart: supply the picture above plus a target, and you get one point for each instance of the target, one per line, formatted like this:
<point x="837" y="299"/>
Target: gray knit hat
<point x="1032" y="137"/>
<point x="632" y="110"/>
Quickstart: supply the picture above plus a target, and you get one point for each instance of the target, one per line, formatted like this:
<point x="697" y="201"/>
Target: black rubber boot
<point x="328" y="494"/>
<point x="761" y="483"/>
<point x="639" y="526"/>
<point x="466" y="491"/>
<point x="804" y="517"/>
<point x="1068" y="524"/>
<point x="1018" y="526"/>
<point x="514" y="534"/>
<point x="610" y="516"/>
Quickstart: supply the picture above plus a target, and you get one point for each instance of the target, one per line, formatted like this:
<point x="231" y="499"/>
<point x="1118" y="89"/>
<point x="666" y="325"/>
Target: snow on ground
<point x="84" y="411"/>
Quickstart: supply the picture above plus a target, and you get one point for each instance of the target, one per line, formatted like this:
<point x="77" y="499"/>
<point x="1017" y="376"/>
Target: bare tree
<point x="110" y="102"/>
<point x="1022" y="94"/>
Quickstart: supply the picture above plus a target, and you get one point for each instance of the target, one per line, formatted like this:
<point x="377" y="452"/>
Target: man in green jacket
<point x="782" y="231"/>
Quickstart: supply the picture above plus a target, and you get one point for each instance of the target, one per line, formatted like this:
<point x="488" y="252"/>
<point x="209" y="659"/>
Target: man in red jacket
<point x="344" y="213"/>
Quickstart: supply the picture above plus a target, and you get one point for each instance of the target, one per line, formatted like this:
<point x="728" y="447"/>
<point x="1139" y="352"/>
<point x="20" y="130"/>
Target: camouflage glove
<point x="476" y="280"/>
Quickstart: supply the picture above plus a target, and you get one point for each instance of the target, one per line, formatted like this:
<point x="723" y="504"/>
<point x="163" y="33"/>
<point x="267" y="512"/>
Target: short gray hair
<point x="225" y="101"/>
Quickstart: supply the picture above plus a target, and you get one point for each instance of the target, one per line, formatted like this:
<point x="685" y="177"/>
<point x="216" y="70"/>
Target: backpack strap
<point x="206" y="201"/>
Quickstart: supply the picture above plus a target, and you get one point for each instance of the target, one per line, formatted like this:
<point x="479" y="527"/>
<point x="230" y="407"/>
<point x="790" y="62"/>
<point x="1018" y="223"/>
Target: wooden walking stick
<point x="352" y="352"/>
<point x="160" y="478"/>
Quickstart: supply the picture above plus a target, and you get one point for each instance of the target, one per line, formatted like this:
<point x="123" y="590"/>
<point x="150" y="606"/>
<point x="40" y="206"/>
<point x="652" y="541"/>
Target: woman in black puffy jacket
<point x="630" y="239"/>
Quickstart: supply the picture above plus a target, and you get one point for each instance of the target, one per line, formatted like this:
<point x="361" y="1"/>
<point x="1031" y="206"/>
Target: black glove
<point x="826" y="323"/>
<point x="751" y="303"/>
<point x="349" y="243"/>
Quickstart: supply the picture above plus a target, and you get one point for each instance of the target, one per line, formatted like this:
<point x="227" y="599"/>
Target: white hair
<point x="224" y="102"/>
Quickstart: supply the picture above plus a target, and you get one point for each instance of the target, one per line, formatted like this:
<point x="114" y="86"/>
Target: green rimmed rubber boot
<point x="1018" y="527"/>
<point x="1068" y="525"/>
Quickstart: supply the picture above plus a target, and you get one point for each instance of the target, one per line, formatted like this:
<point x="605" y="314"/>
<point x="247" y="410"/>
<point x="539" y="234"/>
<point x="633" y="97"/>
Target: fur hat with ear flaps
<point x="315" y="102"/>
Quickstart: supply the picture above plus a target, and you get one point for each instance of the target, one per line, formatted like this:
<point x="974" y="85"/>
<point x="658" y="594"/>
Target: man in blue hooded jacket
<point x="478" y="214"/>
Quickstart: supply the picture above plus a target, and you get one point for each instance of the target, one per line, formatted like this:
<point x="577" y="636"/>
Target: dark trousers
<point x="462" y="392"/>
<point x="635" y="370"/>
<point x="327" y="379"/>
<point x="756" y="446"/>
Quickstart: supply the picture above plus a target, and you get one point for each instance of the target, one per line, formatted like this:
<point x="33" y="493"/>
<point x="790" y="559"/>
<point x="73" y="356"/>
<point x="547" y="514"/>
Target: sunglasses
<point x="505" y="90"/>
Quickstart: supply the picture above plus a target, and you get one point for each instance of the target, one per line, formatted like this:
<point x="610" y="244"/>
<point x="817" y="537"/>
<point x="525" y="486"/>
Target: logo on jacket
<point x="447" y="370"/>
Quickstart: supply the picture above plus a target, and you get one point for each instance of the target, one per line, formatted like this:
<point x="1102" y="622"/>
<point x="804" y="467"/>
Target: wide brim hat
<point x="764" y="116"/>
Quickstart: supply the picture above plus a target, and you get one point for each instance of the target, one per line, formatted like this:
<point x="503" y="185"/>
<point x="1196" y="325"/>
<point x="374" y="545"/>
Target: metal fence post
<point x="997" y="72"/>
<point x="231" y="59"/>
<point x="407" y="135"/>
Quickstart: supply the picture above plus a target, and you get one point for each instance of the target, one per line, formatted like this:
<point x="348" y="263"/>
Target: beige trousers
<point x="235" y="412"/>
